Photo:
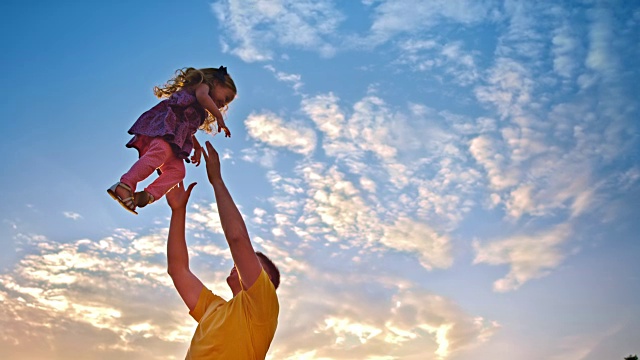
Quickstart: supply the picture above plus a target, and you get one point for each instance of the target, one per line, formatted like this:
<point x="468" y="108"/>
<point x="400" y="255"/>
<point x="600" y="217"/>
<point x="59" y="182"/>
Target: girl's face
<point x="222" y="96"/>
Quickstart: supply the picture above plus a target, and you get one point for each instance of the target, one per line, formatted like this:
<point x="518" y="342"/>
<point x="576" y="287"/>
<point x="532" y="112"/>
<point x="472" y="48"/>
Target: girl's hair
<point x="188" y="77"/>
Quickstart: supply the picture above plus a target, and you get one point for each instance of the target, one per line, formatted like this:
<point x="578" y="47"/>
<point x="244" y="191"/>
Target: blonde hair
<point x="188" y="77"/>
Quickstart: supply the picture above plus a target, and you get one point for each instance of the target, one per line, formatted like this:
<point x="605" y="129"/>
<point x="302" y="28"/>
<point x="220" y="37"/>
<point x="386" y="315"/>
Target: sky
<point x="443" y="179"/>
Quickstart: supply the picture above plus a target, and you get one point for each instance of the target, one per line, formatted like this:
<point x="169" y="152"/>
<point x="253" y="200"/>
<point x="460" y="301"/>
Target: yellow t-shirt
<point x="241" y="328"/>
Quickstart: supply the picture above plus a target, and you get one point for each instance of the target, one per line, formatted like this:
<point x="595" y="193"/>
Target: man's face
<point x="233" y="280"/>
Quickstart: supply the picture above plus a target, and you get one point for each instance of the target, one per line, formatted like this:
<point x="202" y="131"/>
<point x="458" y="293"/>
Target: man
<point x="243" y="327"/>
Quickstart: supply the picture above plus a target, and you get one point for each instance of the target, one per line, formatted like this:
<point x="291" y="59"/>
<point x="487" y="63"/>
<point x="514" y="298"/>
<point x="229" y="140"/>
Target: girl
<point x="165" y="135"/>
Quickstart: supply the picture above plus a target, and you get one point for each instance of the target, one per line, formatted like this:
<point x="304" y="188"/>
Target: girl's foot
<point x="142" y="198"/>
<point x="122" y="194"/>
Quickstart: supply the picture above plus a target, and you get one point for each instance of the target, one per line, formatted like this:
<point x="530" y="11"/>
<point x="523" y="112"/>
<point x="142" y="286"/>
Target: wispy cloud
<point x="253" y="29"/>
<point x="115" y="295"/>
<point x="412" y="321"/>
<point x="528" y="256"/>
<point x="457" y="65"/>
<point x="270" y="129"/>
<point x="92" y="290"/>
<point x="393" y="17"/>
<point x="72" y="215"/>
<point x="294" y="79"/>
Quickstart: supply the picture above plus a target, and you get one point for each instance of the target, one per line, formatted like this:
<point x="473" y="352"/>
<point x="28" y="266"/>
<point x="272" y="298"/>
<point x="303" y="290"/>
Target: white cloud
<point x="347" y="325"/>
<point x="509" y="88"/>
<point x="483" y="149"/>
<point x="427" y="56"/>
<point x="564" y="49"/>
<point x="72" y="215"/>
<point x="273" y="130"/>
<point x="326" y="114"/>
<point x="252" y="28"/>
<point x="433" y="249"/>
<point x="600" y="57"/>
<point x="629" y="178"/>
<point x="411" y="16"/>
<point x="528" y="256"/>
<point x="294" y="79"/>
<point x="265" y="156"/>
<point x="115" y="292"/>
<point x="88" y="293"/>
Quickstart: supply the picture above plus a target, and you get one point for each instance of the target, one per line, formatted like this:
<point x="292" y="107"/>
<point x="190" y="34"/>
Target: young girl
<point x="165" y="135"/>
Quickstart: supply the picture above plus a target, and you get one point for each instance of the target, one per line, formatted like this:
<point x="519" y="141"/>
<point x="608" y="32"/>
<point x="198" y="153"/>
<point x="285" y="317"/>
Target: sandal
<point x="142" y="199"/>
<point x="127" y="203"/>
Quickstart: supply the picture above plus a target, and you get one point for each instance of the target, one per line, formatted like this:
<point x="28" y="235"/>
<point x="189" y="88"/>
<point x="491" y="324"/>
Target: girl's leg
<point x="173" y="171"/>
<point x="158" y="152"/>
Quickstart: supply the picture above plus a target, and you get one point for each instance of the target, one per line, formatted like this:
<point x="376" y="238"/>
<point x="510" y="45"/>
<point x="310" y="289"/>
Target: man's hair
<point x="270" y="268"/>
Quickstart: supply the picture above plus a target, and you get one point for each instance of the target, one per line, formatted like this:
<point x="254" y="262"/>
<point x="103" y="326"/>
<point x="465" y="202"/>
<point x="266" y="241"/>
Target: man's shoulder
<point x="263" y="284"/>
<point x="261" y="300"/>
<point x="207" y="301"/>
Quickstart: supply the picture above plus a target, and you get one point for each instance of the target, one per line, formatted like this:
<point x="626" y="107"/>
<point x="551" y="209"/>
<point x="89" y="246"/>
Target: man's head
<point x="233" y="280"/>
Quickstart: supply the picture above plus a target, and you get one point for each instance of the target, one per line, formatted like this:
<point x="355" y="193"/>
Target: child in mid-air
<point x="165" y="135"/>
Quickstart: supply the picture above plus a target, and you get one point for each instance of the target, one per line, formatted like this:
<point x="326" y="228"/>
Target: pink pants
<point x="156" y="153"/>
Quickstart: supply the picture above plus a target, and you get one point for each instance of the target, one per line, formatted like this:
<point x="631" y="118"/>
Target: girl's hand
<point x="197" y="153"/>
<point x="178" y="196"/>
<point x="222" y="126"/>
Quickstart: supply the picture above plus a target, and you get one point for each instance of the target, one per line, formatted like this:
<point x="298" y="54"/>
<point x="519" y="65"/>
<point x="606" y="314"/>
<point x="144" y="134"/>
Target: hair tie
<point x="221" y="73"/>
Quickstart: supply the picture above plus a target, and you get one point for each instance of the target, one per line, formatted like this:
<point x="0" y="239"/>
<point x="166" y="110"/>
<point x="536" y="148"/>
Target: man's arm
<point x="233" y="226"/>
<point x="187" y="284"/>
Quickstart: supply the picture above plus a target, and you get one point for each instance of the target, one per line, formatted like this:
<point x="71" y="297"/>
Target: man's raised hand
<point x="212" y="159"/>
<point x="179" y="196"/>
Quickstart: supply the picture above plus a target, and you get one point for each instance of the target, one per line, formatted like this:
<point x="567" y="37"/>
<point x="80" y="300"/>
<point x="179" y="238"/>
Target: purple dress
<point x="175" y="119"/>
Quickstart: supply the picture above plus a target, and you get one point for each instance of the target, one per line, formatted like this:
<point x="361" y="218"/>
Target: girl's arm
<point x="202" y="94"/>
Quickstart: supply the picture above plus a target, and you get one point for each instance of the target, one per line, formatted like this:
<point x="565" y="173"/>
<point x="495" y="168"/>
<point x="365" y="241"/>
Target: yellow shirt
<point x="241" y="328"/>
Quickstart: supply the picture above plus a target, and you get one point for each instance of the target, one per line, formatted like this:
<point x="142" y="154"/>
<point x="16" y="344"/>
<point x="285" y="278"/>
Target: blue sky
<point x="436" y="179"/>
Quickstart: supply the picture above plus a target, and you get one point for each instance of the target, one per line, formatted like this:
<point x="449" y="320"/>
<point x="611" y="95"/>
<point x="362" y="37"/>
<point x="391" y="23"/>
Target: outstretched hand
<point x="178" y="197"/>
<point x="195" y="158"/>
<point x="212" y="159"/>
<point x="223" y="126"/>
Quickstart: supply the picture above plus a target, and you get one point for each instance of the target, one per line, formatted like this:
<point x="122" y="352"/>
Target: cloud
<point x="483" y="149"/>
<point x="600" y="57"/>
<point x="408" y="235"/>
<point x="293" y="79"/>
<point x="108" y="297"/>
<point x="565" y="46"/>
<point x="528" y="256"/>
<point x="72" y="215"/>
<point x="262" y="155"/>
<point x="509" y="88"/>
<point x="91" y="295"/>
<point x="393" y="17"/>
<point x="329" y="119"/>
<point x="458" y="65"/>
<point x="272" y="130"/>
<point x="326" y="206"/>
<point x="404" y="321"/>
<point x="252" y="28"/>
<point x="112" y="297"/>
